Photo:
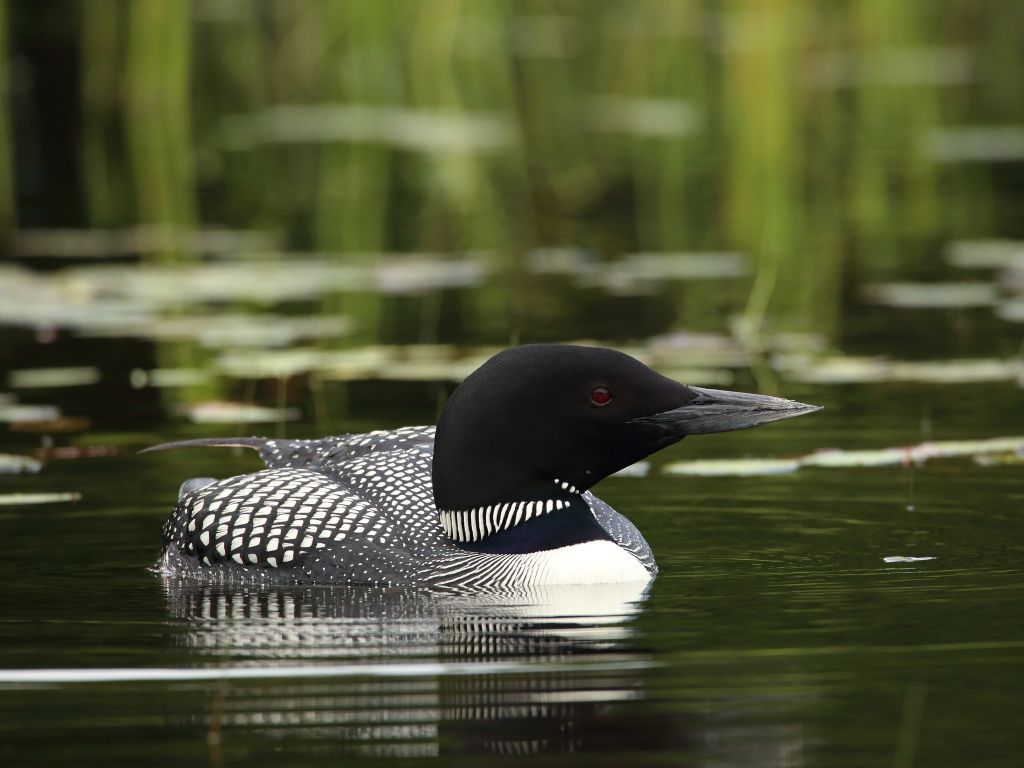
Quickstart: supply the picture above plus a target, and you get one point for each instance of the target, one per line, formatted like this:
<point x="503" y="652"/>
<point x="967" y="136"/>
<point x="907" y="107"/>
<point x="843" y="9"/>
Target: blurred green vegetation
<point x="797" y="133"/>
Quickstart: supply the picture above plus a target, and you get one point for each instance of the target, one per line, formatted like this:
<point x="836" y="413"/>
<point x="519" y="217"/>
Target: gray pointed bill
<point x="719" y="410"/>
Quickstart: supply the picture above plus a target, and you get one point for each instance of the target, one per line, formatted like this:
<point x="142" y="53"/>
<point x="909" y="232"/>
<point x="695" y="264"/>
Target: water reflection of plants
<point x="554" y="160"/>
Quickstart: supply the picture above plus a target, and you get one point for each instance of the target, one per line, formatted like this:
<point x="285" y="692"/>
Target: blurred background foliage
<point x="828" y="142"/>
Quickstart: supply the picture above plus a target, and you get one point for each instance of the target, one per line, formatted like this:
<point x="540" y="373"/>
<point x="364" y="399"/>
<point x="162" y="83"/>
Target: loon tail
<point x="275" y="453"/>
<point x="321" y="453"/>
<point x="256" y="443"/>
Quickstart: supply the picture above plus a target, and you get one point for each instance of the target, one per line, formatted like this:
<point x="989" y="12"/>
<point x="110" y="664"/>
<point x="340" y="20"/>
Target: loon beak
<point x="718" y="410"/>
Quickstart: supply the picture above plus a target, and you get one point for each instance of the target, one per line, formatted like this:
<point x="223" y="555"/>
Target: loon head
<point x="538" y="424"/>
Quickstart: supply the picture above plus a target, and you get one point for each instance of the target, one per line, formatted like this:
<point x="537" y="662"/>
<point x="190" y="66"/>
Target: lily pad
<point x="833" y="370"/>
<point x="416" y="276"/>
<point x="975" y="143"/>
<point x="559" y="261"/>
<point x="225" y="412"/>
<point x="639" y="469"/>
<point x="168" y="377"/>
<point x="642" y="272"/>
<point x="26" y="414"/>
<point x="12" y="464"/>
<point x="66" y="452"/>
<point x="702" y="377"/>
<point x="247" y="330"/>
<point x="999" y="459"/>
<point x="891" y="66"/>
<point x="863" y="458"/>
<point x="732" y="467"/>
<point x="834" y="458"/>
<point x="932" y="295"/>
<point x="912" y="454"/>
<point x="107" y="243"/>
<point x="1012" y="311"/>
<point x="692" y="349"/>
<point x="25" y="499"/>
<point x="956" y="371"/>
<point x="413" y="129"/>
<point x="985" y="254"/>
<point x="960" y="448"/>
<point x="650" y="118"/>
<point x="40" y="378"/>
<point x="858" y="370"/>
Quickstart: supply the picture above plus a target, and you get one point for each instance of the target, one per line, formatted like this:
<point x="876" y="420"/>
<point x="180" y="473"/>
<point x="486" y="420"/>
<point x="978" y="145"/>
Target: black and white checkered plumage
<point x="496" y="496"/>
<point x="349" y="509"/>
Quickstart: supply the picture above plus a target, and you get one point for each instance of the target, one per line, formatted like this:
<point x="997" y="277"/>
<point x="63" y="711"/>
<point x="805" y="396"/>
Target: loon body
<point x="496" y="496"/>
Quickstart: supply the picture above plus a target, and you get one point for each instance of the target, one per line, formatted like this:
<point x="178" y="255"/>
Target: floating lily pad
<point x="107" y="243"/>
<point x="1011" y="311"/>
<point x="247" y="330"/>
<point x="833" y="370"/>
<point x="931" y="295"/>
<point x="689" y="349"/>
<point x="639" y="469"/>
<point x="559" y="261"/>
<point x="168" y="377"/>
<point x="976" y="143"/>
<point x="65" y="452"/>
<point x="866" y="458"/>
<point x="639" y="272"/>
<point x="416" y="276"/>
<point x="702" y="377"/>
<point x="834" y="458"/>
<point x="423" y="370"/>
<point x="40" y="378"/>
<point x="225" y="412"/>
<point x="985" y="254"/>
<point x="25" y="414"/>
<point x="891" y="66"/>
<point x="960" y="448"/>
<point x="59" y="424"/>
<point x="414" y="129"/>
<point x="25" y="499"/>
<point x="857" y="370"/>
<point x="912" y="454"/>
<point x="12" y="464"/>
<point x="395" y="363"/>
<point x="651" y="118"/>
<point x="732" y="467"/>
<point x="956" y="371"/>
<point x="1000" y="459"/>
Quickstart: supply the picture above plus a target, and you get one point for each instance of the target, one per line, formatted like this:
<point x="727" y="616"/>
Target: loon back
<point x="500" y="498"/>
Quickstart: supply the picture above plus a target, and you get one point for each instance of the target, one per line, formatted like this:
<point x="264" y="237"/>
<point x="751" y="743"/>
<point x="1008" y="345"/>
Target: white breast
<point x="593" y="562"/>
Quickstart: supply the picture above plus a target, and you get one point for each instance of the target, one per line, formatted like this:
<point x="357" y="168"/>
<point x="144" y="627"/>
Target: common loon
<point x="496" y="496"/>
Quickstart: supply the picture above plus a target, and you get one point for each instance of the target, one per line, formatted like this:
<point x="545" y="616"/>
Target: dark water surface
<point x="774" y="636"/>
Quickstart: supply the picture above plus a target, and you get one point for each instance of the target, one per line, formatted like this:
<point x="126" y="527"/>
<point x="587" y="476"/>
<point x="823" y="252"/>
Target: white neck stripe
<point x="475" y="524"/>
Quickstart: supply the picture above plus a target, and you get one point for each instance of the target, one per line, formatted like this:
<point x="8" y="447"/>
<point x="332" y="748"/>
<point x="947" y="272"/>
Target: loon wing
<point x="622" y="531"/>
<point x="354" y="509"/>
<point x="298" y="523"/>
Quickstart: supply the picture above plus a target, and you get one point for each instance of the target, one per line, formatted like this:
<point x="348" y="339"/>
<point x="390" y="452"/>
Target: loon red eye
<point x="600" y="396"/>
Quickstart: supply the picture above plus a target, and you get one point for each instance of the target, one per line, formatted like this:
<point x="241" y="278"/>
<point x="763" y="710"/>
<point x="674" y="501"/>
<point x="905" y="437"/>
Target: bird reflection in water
<point x="415" y="673"/>
<point x="528" y="671"/>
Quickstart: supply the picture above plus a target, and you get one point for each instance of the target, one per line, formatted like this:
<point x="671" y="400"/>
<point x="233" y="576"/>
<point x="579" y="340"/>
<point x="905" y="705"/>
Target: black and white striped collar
<point x="471" y="525"/>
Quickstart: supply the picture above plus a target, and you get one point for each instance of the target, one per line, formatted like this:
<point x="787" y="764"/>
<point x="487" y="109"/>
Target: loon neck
<point x="573" y="524"/>
<point x="554" y="500"/>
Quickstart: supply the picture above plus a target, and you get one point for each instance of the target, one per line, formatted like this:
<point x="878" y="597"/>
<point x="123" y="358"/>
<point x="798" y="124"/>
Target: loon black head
<point x="538" y="424"/>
